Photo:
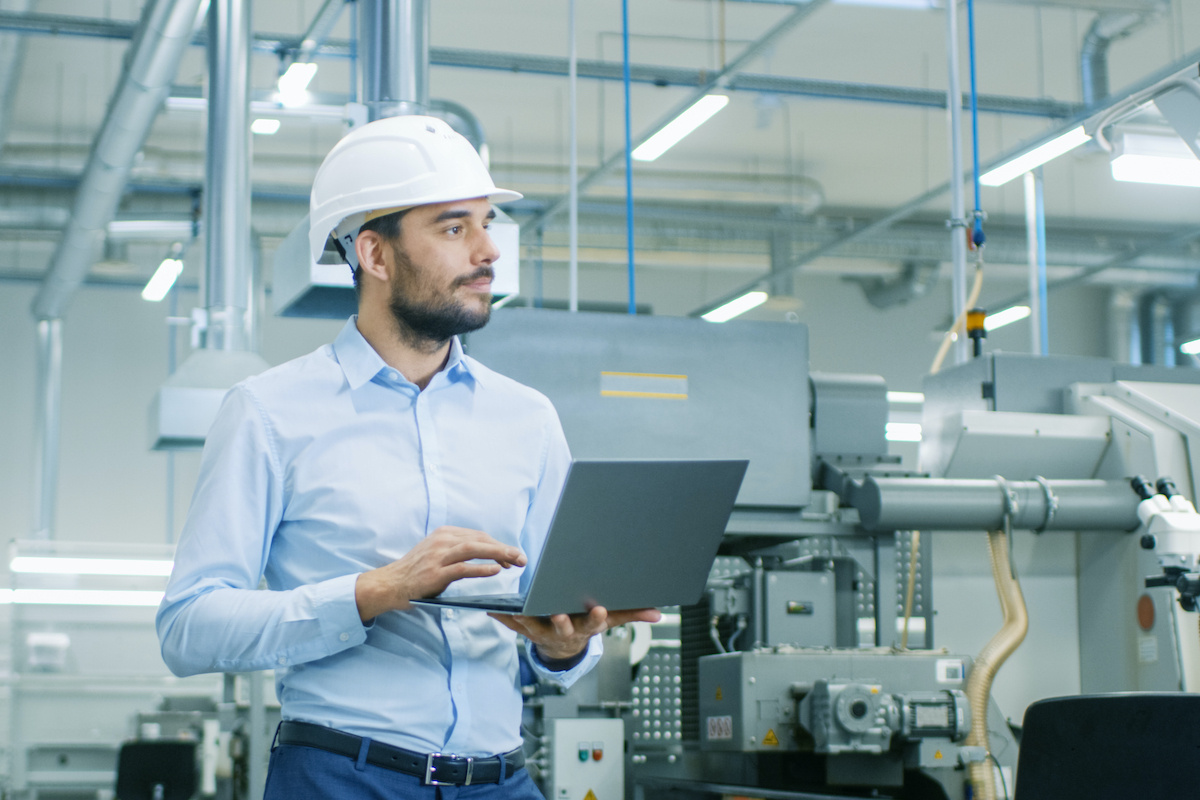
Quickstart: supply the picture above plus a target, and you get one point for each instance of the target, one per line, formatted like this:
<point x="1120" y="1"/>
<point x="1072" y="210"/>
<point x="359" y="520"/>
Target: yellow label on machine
<point x="644" y="384"/>
<point x="719" y="695"/>
<point x="771" y="739"/>
<point x="590" y="795"/>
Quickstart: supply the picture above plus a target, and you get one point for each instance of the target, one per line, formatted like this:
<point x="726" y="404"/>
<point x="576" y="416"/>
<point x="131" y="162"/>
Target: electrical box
<point x="588" y="759"/>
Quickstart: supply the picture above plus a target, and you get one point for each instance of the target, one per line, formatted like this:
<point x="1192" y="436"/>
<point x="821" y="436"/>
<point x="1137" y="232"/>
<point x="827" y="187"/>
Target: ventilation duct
<point x="187" y="403"/>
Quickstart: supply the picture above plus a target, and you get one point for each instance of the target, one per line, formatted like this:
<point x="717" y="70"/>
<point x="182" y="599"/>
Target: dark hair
<point x="387" y="226"/>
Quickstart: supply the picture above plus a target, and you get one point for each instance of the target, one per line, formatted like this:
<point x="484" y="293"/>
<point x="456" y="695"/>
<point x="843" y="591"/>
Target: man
<point x="385" y="467"/>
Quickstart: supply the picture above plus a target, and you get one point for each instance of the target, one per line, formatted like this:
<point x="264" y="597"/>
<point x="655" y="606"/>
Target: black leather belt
<point x="432" y="768"/>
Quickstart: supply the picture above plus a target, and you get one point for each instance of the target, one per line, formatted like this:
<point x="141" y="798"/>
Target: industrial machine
<point x="810" y="669"/>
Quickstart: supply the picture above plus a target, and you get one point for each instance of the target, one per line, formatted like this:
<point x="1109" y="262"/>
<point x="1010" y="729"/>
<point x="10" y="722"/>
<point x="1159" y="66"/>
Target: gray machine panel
<point x="667" y="387"/>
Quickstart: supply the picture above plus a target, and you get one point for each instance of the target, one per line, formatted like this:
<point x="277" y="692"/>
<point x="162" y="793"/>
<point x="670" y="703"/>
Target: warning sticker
<point x="771" y="739"/>
<point x="590" y="795"/>
<point x="719" y="728"/>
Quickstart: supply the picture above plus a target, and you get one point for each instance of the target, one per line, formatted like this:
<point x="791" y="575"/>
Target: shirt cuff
<point x="567" y="677"/>
<point x="341" y="627"/>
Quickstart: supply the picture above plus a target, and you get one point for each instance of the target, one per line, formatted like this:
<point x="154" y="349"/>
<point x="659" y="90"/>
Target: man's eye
<point x="456" y="229"/>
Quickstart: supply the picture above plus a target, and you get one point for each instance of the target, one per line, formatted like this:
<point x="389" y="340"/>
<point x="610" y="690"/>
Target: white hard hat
<point x="393" y="164"/>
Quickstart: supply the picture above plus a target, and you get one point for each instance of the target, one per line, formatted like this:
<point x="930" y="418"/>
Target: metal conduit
<point x="393" y="40"/>
<point x="1093" y="55"/>
<point x="227" y="178"/>
<point x="974" y="505"/>
<point x="48" y="410"/>
<point x="153" y="60"/>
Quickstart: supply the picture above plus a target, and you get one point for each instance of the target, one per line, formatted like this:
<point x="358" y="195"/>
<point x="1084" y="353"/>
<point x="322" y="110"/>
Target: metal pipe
<point x="1035" y="232"/>
<point x="1093" y="55"/>
<point x="150" y="67"/>
<point x="317" y="33"/>
<point x="958" y="222"/>
<point x="974" y="505"/>
<point x="49" y="414"/>
<point x="393" y="39"/>
<point x="227" y="177"/>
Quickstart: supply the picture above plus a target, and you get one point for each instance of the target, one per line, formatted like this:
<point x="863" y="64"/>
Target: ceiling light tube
<point x="90" y="566"/>
<point x="1035" y="157"/>
<point x="1006" y="317"/>
<point x="906" y="397"/>
<point x="293" y="84"/>
<point x="79" y="597"/>
<point x="265" y="126"/>
<point x="903" y="432"/>
<point x="736" y="307"/>
<point x="1190" y="348"/>
<point x="163" y="279"/>
<point x="696" y="115"/>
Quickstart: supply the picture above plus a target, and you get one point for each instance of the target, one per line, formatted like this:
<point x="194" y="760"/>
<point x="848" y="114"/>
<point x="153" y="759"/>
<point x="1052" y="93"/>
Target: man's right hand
<point x="438" y="560"/>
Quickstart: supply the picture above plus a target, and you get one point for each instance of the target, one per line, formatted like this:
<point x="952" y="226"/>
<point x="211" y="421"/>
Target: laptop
<point x="625" y="534"/>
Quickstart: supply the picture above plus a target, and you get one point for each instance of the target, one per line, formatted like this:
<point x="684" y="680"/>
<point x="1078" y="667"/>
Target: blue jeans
<point x="306" y="773"/>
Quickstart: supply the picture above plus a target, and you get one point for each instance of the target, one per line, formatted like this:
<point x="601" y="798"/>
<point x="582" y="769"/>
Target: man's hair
<point x="388" y="227"/>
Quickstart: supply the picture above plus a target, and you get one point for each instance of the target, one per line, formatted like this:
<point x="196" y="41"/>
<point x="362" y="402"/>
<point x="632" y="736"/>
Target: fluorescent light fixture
<point x="1191" y="348"/>
<point x="264" y="126"/>
<point x="695" y="116"/>
<point x="736" y="307"/>
<point x="79" y="597"/>
<point x="91" y="566"/>
<point x="1151" y="158"/>
<point x="903" y="432"/>
<point x="163" y="279"/>
<point x="1035" y="157"/>
<point x="906" y="397"/>
<point x="1006" y="317"/>
<point x="293" y="84"/>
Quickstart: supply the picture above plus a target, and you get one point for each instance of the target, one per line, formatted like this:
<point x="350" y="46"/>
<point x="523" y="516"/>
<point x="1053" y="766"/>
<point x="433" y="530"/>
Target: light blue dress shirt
<point x="333" y="464"/>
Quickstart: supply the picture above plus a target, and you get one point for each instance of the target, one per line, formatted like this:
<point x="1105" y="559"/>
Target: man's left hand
<point x="564" y="636"/>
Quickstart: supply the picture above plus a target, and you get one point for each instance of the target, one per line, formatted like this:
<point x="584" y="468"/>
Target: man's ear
<point x="370" y="248"/>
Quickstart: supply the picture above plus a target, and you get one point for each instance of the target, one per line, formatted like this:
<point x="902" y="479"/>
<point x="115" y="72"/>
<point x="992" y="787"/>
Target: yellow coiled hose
<point x="992" y="657"/>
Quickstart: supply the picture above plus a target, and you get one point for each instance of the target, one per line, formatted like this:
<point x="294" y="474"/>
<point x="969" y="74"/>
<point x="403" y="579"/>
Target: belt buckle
<point x="430" y="769"/>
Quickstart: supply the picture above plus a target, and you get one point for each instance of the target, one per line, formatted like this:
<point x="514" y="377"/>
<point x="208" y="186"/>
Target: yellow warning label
<point x="719" y="695"/>
<point x="937" y="755"/>
<point x="771" y="738"/>
<point x="590" y="795"/>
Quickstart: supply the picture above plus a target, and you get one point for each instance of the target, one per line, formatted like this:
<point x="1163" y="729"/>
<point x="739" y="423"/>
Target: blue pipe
<point x="628" y="155"/>
<point x="977" y="236"/>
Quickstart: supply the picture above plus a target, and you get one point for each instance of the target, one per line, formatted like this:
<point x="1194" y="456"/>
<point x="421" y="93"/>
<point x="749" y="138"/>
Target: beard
<point x="436" y="319"/>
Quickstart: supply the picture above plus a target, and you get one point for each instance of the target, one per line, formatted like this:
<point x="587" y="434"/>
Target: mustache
<point x="482" y="272"/>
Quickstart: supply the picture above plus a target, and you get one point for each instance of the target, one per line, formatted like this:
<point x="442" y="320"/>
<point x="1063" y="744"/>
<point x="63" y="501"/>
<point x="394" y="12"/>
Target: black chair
<point x="156" y="770"/>
<point x="1138" y="746"/>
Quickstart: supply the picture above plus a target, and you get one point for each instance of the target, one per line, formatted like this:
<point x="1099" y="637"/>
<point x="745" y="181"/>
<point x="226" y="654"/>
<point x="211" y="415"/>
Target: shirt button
<point x="433" y="468"/>
<point x="450" y="613"/>
<point x="345" y="637"/>
<point x="282" y="660"/>
<point x="393" y="374"/>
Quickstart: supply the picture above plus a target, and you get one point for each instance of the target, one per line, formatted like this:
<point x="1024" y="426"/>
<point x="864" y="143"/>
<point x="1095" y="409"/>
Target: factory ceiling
<point x="836" y="122"/>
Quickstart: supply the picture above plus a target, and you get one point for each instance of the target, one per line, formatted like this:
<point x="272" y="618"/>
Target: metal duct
<point x="49" y="413"/>
<point x="187" y="403"/>
<point x="150" y="66"/>
<point x="1093" y="56"/>
<point x="227" y="177"/>
<point x="915" y="280"/>
<point x="393" y="42"/>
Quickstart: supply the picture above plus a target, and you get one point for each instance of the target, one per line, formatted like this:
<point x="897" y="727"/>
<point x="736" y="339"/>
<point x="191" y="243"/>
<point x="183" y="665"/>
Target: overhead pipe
<point x="957" y="222"/>
<point x="393" y="49"/>
<point x="46" y="430"/>
<point x="227" y="178"/>
<point x="1093" y="55"/>
<point x="150" y="66"/>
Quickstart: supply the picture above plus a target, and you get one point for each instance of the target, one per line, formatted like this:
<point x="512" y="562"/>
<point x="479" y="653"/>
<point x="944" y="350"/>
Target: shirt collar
<point x="361" y="363"/>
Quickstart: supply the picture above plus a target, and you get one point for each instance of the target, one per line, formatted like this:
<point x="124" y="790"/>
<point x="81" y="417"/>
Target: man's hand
<point x="438" y="560"/>
<point x="563" y="636"/>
